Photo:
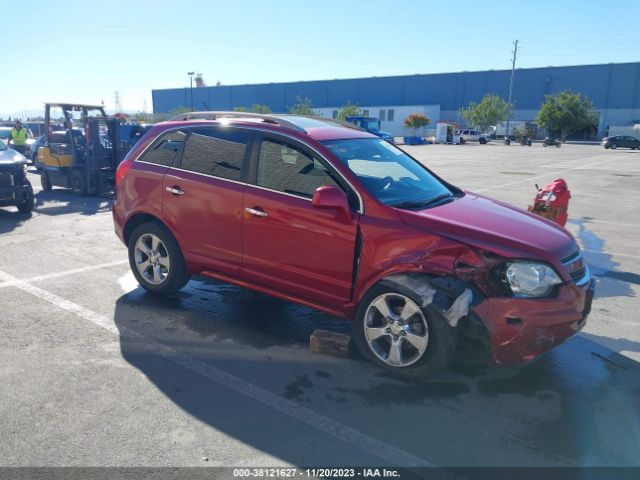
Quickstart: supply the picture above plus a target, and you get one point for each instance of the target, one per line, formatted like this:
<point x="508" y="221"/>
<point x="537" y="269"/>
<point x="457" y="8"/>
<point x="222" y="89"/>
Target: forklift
<point x="83" y="153"/>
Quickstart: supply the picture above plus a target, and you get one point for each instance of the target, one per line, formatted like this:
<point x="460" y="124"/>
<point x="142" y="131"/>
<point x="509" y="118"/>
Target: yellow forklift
<point x="83" y="153"/>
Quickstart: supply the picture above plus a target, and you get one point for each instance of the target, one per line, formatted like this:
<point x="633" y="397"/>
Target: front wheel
<point x="77" y="183"/>
<point x="483" y="141"/>
<point x="614" y="146"/>
<point x="156" y="260"/>
<point x="26" y="206"/>
<point x="394" y="332"/>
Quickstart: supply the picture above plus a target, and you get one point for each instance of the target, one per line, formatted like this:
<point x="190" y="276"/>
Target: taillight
<point x="122" y="170"/>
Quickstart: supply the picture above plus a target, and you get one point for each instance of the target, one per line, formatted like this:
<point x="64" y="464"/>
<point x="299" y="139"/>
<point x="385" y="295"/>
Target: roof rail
<point x="215" y="115"/>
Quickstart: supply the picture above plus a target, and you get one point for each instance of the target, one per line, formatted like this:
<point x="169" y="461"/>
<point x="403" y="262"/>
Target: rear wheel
<point x="483" y="141"/>
<point x="77" y="183"/>
<point x="614" y="146"/>
<point x="26" y="206"/>
<point x="394" y="332"/>
<point x="156" y="260"/>
<point x="45" y="181"/>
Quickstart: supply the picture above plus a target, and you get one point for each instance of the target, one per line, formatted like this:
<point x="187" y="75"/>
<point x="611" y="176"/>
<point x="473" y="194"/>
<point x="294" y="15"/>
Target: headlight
<point x="531" y="279"/>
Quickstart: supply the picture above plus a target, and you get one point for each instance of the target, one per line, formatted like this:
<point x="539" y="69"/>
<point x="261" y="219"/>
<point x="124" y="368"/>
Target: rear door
<point x="288" y="244"/>
<point x="202" y="197"/>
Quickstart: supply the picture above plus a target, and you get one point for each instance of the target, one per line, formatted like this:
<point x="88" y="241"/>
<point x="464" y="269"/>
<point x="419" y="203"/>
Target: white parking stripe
<point x="66" y="272"/>
<point x="332" y="427"/>
<point x="502" y="185"/>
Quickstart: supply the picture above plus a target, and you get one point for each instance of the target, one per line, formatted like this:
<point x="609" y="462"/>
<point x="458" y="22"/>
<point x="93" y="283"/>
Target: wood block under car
<point x="326" y="342"/>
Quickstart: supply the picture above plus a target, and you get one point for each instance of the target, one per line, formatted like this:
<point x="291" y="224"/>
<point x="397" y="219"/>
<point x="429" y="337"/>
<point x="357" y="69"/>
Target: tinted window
<point x="164" y="150"/>
<point x="216" y="152"/>
<point x="286" y="168"/>
<point x="390" y="115"/>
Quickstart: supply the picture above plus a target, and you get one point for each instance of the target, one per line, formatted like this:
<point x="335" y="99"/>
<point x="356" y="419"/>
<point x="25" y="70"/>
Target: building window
<point x="382" y="115"/>
<point x="335" y="114"/>
<point x="390" y="115"/>
<point x="286" y="168"/>
<point x="365" y="113"/>
<point x="218" y="153"/>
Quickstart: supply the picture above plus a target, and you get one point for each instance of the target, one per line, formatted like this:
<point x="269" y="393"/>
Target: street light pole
<point x="513" y="67"/>
<point x="191" y="87"/>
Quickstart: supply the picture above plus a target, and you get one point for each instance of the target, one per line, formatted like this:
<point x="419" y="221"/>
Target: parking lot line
<point x="371" y="445"/>
<point x="528" y="179"/>
<point x="65" y="273"/>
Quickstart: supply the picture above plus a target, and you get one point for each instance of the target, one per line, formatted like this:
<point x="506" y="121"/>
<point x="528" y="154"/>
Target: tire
<point x="440" y="343"/>
<point x="483" y="141"/>
<point x="613" y="146"/>
<point x="558" y="145"/>
<point x="27" y="205"/>
<point x="462" y="140"/>
<point x="46" y="181"/>
<point x="166" y="271"/>
<point x="77" y="183"/>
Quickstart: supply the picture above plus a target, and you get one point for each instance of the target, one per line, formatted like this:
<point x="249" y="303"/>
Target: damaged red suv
<point x="329" y="216"/>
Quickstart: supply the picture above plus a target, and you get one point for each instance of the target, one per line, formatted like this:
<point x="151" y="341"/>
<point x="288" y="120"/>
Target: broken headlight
<point x="530" y="279"/>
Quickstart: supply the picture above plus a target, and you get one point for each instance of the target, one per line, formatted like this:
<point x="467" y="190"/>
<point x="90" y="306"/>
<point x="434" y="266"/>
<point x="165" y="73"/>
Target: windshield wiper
<point x="439" y="198"/>
<point x="409" y="205"/>
<point x="423" y="204"/>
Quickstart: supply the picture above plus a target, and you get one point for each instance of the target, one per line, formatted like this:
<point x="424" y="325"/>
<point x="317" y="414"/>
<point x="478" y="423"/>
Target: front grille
<point x="6" y="180"/>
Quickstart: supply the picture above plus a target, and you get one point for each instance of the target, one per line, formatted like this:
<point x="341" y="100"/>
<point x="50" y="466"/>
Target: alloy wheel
<point x="396" y="330"/>
<point x="152" y="259"/>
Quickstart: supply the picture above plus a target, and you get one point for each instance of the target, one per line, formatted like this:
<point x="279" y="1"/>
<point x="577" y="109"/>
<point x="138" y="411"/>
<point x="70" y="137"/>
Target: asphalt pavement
<point x="95" y="372"/>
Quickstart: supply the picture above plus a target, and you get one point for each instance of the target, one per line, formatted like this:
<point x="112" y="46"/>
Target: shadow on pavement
<point x="577" y="405"/>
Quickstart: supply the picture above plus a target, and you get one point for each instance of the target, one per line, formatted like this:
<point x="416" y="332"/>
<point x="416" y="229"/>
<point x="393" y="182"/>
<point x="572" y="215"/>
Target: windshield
<point x="388" y="173"/>
<point x="3" y="147"/>
<point x="372" y="125"/>
<point x="5" y="134"/>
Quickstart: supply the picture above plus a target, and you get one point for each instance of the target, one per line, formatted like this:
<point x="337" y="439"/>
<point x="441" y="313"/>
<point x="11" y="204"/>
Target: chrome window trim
<point x="360" y="210"/>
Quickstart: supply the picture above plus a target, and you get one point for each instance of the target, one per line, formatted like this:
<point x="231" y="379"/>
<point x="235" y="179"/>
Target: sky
<point x="85" y="51"/>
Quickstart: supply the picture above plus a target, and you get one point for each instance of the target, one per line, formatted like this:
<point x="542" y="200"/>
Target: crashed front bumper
<point x="522" y="329"/>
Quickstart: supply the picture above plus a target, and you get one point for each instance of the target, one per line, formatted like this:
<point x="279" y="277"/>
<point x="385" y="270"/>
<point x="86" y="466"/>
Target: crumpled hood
<point x="494" y="226"/>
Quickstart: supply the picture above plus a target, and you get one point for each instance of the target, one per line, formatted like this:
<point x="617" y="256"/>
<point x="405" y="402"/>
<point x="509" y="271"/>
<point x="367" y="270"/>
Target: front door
<point x="288" y="244"/>
<point x="202" y="198"/>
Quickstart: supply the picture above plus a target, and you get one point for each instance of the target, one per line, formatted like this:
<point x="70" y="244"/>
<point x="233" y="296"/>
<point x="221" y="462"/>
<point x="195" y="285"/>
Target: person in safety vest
<point x="19" y="136"/>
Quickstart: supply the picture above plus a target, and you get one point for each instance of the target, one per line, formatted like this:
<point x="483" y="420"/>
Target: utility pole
<point x="116" y="99"/>
<point x="191" y="87"/>
<point x="513" y="68"/>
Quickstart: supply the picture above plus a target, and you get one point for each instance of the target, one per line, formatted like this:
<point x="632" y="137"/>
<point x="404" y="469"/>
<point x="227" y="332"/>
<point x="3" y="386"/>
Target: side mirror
<point x="328" y="197"/>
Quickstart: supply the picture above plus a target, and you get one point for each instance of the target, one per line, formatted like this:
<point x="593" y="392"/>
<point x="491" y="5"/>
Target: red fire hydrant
<point x="552" y="202"/>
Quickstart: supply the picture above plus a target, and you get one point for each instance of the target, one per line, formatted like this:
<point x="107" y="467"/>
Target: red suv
<point x="326" y="215"/>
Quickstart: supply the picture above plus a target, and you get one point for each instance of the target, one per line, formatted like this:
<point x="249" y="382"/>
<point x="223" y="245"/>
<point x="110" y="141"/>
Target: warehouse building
<point x="613" y="88"/>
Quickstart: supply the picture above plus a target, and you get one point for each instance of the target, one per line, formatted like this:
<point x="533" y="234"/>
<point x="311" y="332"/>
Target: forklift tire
<point x="46" y="182"/>
<point x="77" y="183"/>
<point x="27" y="205"/>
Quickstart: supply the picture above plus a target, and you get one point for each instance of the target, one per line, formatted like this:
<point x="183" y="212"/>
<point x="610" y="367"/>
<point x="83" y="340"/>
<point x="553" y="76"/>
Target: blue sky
<point x="84" y="51"/>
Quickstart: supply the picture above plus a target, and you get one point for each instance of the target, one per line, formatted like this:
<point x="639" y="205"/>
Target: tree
<point x="348" y="110"/>
<point x="567" y="112"/>
<point x="302" y="106"/>
<point x="491" y="110"/>
<point x="416" y="121"/>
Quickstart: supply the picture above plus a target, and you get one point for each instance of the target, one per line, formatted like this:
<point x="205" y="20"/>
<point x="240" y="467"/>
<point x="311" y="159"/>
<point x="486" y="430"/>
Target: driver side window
<point x="286" y="168"/>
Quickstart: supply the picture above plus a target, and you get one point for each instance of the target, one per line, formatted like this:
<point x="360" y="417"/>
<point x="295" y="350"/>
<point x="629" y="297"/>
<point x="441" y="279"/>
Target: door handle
<point x="255" y="212"/>
<point x="175" y="190"/>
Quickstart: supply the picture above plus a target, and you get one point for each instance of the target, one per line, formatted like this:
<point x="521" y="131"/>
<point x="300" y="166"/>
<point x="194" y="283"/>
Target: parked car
<point x="621" y="141"/>
<point x="5" y="136"/>
<point x="342" y="221"/>
<point x="15" y="188"/>
<point x="467" y="135"/>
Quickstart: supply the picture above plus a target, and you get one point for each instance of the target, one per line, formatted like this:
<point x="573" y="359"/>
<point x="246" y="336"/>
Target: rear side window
<point x="286" y="168"/>
<point x="165" y="149"/>
<point x="216" y="152"/>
